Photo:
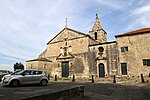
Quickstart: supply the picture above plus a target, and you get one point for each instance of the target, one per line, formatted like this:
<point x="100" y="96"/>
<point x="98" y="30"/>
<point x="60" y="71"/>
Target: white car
<point x="26" y="77"/>
<point x="3" y="73"/>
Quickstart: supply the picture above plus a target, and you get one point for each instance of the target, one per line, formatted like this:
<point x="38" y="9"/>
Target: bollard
<point x="55" y="77"/>
<point x="73" y="78"/>
<point x="142" y="78"/>
<point x="92" y="79"/>
<point x="48" y="77"/>
<point x="114" y="81"/>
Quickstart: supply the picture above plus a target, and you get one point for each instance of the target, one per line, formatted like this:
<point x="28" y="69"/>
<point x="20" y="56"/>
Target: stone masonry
<point x="72" y="52"/>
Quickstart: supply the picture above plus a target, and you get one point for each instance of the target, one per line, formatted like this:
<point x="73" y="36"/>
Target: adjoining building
<point x="134" y="52"/>
<point x="72" y="52"/>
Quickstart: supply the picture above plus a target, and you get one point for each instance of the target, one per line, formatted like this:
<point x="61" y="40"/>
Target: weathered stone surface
<point x="84" y="57"/>
<point x="138" y="49"/>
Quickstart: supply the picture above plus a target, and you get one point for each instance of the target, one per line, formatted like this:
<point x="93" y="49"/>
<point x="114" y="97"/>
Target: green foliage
<point x="18" y="66"/>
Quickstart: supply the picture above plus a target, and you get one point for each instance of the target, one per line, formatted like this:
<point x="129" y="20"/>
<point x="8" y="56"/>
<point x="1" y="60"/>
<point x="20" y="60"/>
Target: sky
<point x="27" y="25"/>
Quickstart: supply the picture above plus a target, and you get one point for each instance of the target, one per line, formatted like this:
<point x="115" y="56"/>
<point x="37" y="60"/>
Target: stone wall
<point x="72" y="93"/>
<point x="78" y="46"/>
<point x="81" y="65"/>
<point x="138" y="49"/>
<point x="109" y="57"/>
<point x="41" y="65"/>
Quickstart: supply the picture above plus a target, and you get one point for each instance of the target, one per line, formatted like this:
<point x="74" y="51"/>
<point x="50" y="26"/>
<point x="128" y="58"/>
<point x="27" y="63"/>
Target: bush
<point x="18" y="66"/>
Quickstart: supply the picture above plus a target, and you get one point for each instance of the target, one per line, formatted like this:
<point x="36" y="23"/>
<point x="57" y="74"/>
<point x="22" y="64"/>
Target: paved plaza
<point x="93" y="91"/>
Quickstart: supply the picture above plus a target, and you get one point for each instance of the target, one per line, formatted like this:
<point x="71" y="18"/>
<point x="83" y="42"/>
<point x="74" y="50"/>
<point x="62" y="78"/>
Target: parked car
<point x="12" y="73"/>
<point x="26" y="77"/>
<point x="3" y="73"/>
<point x="16" y="71"/>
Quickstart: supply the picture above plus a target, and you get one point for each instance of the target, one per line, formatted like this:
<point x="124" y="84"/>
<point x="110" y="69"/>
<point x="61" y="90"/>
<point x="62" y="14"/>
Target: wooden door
<point x="101" y="70"/>
<point x="65" y="69"/>
<point x="124" y="68"/>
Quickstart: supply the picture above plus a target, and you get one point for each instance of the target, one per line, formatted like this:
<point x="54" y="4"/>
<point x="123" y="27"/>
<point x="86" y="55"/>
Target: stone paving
<point x="93" y="91"/>
<point x="107" y="90"/>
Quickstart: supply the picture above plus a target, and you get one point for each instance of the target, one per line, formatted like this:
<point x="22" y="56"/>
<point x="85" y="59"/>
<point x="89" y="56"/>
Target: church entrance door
<point x="101" y="70"/>
<point x="65" y="69"/>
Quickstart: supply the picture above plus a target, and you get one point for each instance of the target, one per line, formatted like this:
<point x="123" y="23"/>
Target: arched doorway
<point x="101" y="70"/>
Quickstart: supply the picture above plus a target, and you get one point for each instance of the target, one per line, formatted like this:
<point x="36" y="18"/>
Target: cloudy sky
<point x="27" y="25"/>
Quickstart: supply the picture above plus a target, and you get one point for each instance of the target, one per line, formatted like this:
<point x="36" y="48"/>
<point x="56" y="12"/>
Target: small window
<point x="124" y="49"/>
<point x="66" y="43"/>
<point x="95" y="35"/>
<point x="146" y="62"/>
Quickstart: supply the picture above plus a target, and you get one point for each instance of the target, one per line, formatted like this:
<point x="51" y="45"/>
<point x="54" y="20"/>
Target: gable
<point x="67" y="33"/>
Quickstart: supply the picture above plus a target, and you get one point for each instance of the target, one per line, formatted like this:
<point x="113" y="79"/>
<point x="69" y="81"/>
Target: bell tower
<point x="97" y="33"/>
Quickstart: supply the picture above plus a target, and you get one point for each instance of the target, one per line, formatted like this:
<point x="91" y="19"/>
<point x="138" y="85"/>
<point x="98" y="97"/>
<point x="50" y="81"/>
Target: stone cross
<point x="66" y="22"/>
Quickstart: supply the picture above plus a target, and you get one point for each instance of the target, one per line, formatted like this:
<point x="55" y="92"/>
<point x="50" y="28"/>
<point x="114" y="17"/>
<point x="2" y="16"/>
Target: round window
<point x="101" y="49"/>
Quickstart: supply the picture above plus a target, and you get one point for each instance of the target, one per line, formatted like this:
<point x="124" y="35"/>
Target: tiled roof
<point x="140" y="31"/>
<point x="39" y="59"/>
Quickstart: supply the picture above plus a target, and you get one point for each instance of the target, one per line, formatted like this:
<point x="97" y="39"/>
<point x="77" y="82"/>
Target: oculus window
<point x="101" y="49"/>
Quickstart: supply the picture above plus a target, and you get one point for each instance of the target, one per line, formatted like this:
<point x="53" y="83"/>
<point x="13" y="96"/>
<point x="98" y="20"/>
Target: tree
<point x="18" y="66"/>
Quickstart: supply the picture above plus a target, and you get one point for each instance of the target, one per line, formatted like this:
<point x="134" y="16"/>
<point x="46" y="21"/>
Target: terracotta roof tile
<point x="39" y="59"/>
<point x="143" y="30"/>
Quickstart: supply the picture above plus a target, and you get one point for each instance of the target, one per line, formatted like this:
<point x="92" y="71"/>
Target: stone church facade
<point x="72" y="52"/>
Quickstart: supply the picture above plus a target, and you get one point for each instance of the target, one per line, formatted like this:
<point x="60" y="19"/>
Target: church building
<point x="72" y="52"/>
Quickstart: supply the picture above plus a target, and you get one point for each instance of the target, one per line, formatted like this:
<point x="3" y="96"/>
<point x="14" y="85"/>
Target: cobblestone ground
<point x="93" y="91"/>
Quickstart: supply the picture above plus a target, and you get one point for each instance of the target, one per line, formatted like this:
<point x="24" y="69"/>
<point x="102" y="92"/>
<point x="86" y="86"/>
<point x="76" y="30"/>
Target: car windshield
<point x="15" y="72"/>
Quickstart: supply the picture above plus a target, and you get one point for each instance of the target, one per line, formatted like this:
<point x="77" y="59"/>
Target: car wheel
<point x="15" y="83"/>
<point x="43" y="82"/>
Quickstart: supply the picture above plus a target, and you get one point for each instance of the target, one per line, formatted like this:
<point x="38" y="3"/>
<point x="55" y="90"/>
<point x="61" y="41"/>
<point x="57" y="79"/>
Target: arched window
<point x="95" y="34"/>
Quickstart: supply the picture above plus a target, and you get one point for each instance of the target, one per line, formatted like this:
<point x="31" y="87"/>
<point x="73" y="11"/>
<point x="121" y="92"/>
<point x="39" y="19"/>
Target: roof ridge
<point x="68" y="29"/>
<point x="39" y="59"/>
<point x="138" y="31"/>
<point x="76" y="31"/>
